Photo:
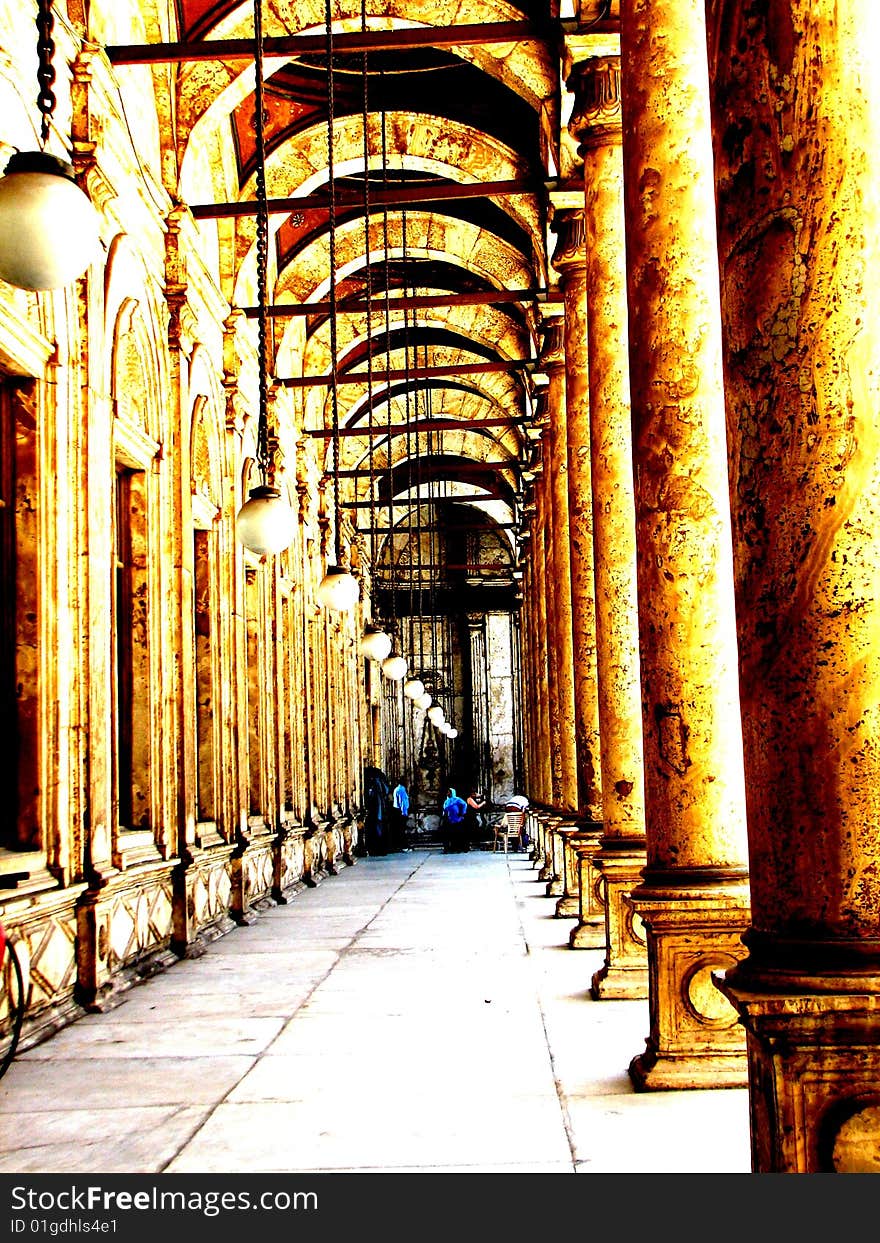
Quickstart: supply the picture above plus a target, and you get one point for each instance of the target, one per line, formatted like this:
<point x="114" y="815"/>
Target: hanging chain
<point x="45" y="68"/>
<point x="404" y="279"/>
<point x="262" y="247"/>
<point x="388" y="350"/>
<point x="334" y="396"/>
<point x="368" y="290"/>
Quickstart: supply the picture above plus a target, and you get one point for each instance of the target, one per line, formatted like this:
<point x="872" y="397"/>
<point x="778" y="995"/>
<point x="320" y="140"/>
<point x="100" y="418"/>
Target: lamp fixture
<point x="436" y="714"/>
<point x="453" y="733"/>
<point x="48" y="225"/>
<point x="265" y="522"/>
<point x="413" y="688"/>
<point x="424" y="701"/>
<point x="375" y="642"/>
<point x="395" y="667"/>
<point x="339" y="589"/>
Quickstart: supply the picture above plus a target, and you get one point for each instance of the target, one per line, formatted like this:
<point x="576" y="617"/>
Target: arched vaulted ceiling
<point x="441" y="157"/>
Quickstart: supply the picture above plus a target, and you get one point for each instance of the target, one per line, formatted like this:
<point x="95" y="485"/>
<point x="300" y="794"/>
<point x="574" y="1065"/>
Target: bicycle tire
<point x="16" y="1006"/>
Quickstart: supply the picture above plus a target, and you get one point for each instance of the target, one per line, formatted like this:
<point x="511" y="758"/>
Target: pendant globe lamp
<point x="424" y="701"/>
<point x="395" y="667"/>
<point x="265" y="522"/>
<point x="413" y="688"/>
<point x="375" y="642"/>
<point x="453" y="733"/>
<point x="436" y="714"/>
<point x="339" y="589"/>
<point x="48" y="226"/>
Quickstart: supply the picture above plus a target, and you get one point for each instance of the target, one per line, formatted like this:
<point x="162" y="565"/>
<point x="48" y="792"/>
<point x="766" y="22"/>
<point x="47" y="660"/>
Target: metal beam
<point x="396" y="196"/>
<point x="462" y="468"/>
<point x="425" y="425"/>
<point x="415" y="302"/>
<point x="382" y="575"/>
<point x="447" y="528"/>
<point x="346" y="41"/>
<point x="414" y="373"/>
<point x="487" y="493"/>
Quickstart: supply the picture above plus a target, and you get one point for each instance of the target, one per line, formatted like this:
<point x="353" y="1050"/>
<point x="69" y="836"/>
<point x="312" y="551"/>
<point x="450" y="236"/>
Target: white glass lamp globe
<point x="435" y="714"/>
<point x="395" y="667"/>
<point x="413" y="688"/>
<point x="48" y="226"/>
<point x="423" y="701"/>
<point x="375" y="642"/>
<point x="338" y="590"/>
<point x="444" y="728"/>
<point x="453" y="733"/>
<point x="264" y="523"/>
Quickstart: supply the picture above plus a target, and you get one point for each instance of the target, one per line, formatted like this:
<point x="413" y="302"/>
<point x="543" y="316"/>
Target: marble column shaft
<point x="799" y="222"/>
<point x="570" y="261"/>
<point x="542" y="673"/>
<point x="556" y="474"/>
<point x="694" y="899"/>
<point x="596" y="122"/>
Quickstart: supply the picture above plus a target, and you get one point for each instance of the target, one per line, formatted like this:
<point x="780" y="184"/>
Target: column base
<point x="651" y="1071"/>
<point x="587" y="936"/>
<point x="812" y="1019"/>
<point x="567" y="907"/>
<point x="621" y="862"/>
<point x="619" y="983"/>
<point x="694" y="923"/>
<point x="590" y="930"/>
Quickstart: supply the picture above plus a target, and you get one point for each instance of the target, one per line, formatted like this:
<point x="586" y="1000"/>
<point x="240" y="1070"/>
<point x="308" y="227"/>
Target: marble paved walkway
<point x="421" y="1012"/>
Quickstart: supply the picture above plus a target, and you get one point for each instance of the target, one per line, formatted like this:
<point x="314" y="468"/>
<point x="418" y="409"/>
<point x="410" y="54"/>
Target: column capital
<point x="552" y="332"/>
<point x="570" y="255"/>
<point x="596" y="118"/>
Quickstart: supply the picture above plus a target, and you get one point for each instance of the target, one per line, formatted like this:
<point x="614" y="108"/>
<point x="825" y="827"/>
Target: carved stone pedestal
<point x="695" y="1040"/>
<point x="545" y="837"/>
<point x="589" y="931"/>
<point x="569" y="903"/>
<point x="556" y="870"/>
<point x="813" y="1061"/>
<point x="624" y="974"/>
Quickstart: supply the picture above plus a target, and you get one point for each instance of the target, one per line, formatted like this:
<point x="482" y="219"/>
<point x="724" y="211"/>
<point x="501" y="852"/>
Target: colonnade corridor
<point x="417" y="1012"/>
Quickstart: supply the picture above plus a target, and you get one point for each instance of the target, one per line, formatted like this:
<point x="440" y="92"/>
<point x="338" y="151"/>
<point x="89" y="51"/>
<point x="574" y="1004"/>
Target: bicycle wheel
<point x="12" y="1015"/>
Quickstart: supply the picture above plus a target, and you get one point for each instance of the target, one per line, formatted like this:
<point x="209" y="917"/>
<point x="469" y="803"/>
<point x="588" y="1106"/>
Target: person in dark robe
<point x="377" y="827"/>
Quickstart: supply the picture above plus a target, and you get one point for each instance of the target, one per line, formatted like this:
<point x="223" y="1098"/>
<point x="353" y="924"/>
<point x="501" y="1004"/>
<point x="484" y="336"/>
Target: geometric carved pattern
<point x="140" y="920"/>
<point x="257" y="866"/>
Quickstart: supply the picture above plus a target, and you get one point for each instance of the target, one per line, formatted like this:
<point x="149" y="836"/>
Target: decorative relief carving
<point x="703" y="1000"/>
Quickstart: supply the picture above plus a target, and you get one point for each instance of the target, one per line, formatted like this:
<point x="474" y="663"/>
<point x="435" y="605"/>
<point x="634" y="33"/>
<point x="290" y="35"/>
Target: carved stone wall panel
<point x="44" y="936"/>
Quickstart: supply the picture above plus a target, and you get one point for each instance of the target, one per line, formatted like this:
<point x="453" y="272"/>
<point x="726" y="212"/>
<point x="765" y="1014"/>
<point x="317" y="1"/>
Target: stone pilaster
<point x="694" y="899"/>
<point x="799" y="222"/>
<point x="596" y="123"/>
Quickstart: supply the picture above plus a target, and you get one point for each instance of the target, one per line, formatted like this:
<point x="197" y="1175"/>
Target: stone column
<point x="544" y="543"/>
<point x="694" y="899"/>
<point x="569" y="259"/>
<point x="542" y="684"/>
<point x="559" y="560"/>
<point x="596" y="123"/>
<point x="564" y="881"/>
<point x="799" y="223"/>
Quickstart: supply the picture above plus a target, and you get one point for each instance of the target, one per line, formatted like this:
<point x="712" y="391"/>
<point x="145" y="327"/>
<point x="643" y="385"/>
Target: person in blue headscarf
<point x="452" y="824"/>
